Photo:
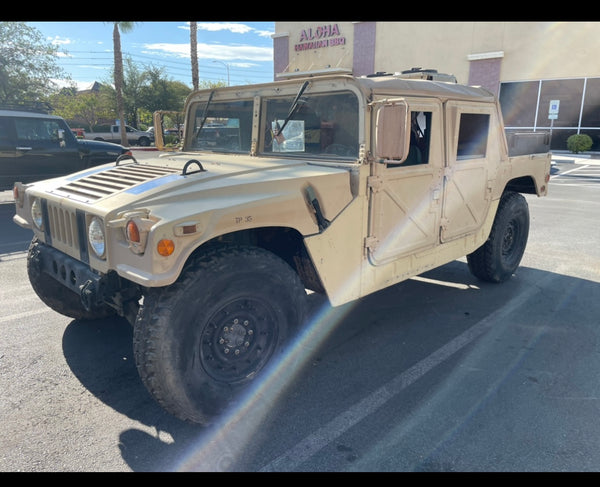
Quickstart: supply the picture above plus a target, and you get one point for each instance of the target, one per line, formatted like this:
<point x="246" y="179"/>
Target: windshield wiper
<point x="293" y="109"/>
<point x="204" y="113"/>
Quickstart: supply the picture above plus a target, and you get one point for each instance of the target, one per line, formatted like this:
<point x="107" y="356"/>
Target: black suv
<point x="36" y="146"/>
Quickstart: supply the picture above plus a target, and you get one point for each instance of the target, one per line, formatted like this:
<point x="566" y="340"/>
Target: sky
<point x="238" y="52"/>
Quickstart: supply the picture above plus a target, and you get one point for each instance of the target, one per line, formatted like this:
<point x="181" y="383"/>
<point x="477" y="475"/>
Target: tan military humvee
<point x="334" y="184"/>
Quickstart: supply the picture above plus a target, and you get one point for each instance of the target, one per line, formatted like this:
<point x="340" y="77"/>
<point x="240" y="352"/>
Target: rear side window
<point x="473" y="136"/>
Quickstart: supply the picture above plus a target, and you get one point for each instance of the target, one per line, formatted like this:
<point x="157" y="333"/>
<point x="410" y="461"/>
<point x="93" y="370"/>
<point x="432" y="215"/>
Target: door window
<point x="420" y="139"/>
<point x="473" y="136"/>
<point x="38" y="133"/>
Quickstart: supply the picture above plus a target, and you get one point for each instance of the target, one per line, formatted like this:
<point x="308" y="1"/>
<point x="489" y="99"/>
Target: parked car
<point x="113" y="134"/>
<point x="36" y="146"/>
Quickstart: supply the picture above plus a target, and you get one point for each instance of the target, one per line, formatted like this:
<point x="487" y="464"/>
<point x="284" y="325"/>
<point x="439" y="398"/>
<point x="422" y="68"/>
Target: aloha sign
<point x="320" y="36"/>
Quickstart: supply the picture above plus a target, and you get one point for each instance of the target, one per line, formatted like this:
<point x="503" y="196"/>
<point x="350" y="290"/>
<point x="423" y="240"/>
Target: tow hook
<point x="86" y="294"/>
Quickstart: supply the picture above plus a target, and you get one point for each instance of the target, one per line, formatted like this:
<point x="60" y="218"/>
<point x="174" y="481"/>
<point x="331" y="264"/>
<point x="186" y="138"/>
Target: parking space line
<point x="570" y="171"/>
<point x="313" y="443"/>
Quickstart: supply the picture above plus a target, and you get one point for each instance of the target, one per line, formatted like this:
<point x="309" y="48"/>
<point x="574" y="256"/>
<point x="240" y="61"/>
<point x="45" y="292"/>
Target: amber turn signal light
<point x="133" y="232"/>
<point x="165" y="247"/>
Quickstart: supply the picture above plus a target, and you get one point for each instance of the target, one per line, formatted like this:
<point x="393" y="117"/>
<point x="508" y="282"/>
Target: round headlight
<point x="36" y="213"/>
<point x="96" y="236"/>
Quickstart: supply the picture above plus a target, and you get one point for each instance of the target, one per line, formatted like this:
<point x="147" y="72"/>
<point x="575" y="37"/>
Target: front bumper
<point x="93" y="288"/>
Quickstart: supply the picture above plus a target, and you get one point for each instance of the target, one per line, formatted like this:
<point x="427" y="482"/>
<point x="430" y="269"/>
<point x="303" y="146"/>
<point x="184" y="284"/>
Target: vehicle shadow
<point x="389" y="330"/>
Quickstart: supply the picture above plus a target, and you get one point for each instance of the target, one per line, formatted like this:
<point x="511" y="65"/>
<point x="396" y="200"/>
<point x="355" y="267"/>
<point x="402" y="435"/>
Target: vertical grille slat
<point x="62" y="226"/>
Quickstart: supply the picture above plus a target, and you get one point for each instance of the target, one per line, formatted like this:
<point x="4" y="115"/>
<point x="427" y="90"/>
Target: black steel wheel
<point x="200" y="341"/>
<point x="498" y="258"/>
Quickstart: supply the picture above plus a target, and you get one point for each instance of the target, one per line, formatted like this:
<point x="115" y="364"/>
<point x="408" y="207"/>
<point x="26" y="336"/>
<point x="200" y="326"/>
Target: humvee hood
<point x="154" y="181"/>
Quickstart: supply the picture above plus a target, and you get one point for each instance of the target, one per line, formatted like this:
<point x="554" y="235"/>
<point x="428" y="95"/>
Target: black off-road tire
<point x="498" y="258"/>
<point x="200" y="341"/>
<point x="55" y="295"/>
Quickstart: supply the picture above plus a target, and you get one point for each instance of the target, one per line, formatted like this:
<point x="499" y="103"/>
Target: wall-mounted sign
<point x="319" y="37"/>
<point x="553" y="109"/>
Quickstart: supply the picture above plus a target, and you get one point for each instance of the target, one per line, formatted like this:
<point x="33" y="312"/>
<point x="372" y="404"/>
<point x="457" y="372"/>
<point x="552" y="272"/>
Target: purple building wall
<point x="486" y="73"/>
<point x="363" y="62"/>
<point x="281" y="54"/>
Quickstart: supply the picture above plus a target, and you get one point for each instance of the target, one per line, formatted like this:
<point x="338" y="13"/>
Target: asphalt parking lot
<point x="438" y="373"/>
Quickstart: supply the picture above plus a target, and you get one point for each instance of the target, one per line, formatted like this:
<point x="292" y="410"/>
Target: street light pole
<point x="227" y="66"/>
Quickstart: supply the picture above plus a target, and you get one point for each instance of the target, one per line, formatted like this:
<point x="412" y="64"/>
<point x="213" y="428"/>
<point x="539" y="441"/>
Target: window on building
<point x="591" y="107"/>
<point x="472" y="136"/>
<point x="519" y="101"/>
<point x="579" y="108"/>
<point x="569" y="92"/>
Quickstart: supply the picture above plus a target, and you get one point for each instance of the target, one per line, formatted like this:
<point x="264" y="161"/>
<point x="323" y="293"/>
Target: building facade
<point x="544" y="73"/>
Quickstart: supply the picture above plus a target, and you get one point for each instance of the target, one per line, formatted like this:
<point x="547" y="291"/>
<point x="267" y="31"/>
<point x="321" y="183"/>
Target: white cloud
<point x="235" y="27"/>
<point x="57" y="40"/>
<point x="264" y="33"/>
<point x="91" y="66"/>
<point x="215" y="51"/>
<point x="230" y="26"/>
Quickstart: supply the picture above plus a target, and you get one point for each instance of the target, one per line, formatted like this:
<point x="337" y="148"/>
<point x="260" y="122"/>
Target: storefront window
<point x="591" y="106"/>
<point x="518" y="101"/>
<point x="569" y="92"/>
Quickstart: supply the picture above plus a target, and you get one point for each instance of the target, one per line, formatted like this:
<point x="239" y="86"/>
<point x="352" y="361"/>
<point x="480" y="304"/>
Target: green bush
<point x="171" y="140"/>
<point x="579" y="143"/>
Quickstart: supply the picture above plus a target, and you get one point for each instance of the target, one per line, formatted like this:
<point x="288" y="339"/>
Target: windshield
<point x="321" y="124"/>
<point x="223" y="126"/>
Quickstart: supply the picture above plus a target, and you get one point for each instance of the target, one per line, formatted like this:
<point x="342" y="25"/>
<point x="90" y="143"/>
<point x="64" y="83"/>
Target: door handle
<point x="24" y="148"/>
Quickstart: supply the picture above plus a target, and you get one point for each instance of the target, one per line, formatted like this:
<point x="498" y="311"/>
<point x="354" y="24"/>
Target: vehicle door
<point x="115" y="134"/>
<point x="405" y="199"/>
<point x="8" y="152"/>
<point x="467" y="178"/>
<point x="44" y="149"/>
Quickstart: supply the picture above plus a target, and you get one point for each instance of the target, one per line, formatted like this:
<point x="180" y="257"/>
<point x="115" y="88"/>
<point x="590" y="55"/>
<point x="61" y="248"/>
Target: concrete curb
<point x="589" y="159"/>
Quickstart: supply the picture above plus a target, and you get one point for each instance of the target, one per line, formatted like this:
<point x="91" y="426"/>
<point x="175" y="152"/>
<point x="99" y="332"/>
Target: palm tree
<point x="118" y="74"/>
<point x="194" y="53"/>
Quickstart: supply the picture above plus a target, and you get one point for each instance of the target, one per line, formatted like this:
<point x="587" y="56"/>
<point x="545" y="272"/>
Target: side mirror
<point x="392" y="135"/>
<point x="60" y="134"/>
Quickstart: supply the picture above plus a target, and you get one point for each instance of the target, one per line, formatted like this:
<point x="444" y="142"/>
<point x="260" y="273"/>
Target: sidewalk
<point x="591" y="158"/>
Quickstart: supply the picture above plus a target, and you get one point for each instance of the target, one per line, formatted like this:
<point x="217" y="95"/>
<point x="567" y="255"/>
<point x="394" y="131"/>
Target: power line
<point x="171" y="66"/>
